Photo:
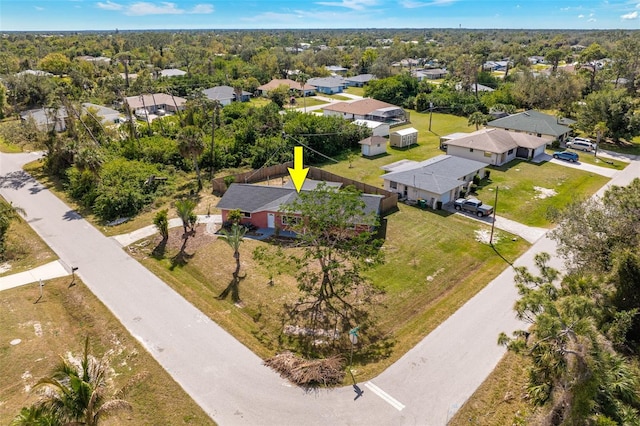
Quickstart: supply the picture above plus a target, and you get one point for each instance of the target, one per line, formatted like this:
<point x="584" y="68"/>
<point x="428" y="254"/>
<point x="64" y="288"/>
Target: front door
<point x="271" y="220"/>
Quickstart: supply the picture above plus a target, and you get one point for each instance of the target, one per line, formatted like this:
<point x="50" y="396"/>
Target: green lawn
<point x="335" y="96"/>
<point x="518" y="198"/>
<point x="368" y="169"/>
<point x="358" y="91"/>
<point x="307" y="101"/>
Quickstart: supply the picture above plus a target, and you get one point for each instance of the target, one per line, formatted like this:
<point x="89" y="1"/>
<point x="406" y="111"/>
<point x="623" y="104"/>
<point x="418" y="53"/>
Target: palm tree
<point x="234" y="238"/>
<point x="600" y="129"/>
<point x="191" y="145"/>
<point x="185" y="208"/>
<point x="8" y="213"/>
<point x="477" y="119"/>
<point x="77" y="393"/>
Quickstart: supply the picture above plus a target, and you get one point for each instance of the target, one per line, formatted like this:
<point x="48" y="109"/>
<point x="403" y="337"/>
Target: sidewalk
<point x="51" y="270"/>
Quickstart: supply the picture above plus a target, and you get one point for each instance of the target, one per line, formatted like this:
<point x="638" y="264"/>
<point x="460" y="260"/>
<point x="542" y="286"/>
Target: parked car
<point x="566" y="155"/>
<point x="581" y="144"/>
<point x="473" y="205"/>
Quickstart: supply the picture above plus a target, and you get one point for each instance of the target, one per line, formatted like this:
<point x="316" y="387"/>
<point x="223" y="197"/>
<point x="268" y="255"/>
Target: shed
<point x="378" y="128"/>
<point x="404" y="137"/>
<point x="373" y="145"/>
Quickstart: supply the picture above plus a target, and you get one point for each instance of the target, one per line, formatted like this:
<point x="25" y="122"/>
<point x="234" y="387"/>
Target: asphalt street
<point x="425" y="387"/>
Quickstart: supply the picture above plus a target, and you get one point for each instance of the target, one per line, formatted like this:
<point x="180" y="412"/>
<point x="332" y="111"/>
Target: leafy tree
<point x="589" y="57"/>
<point x="574" y="371"/>
<point x="615" y="109"/>
<point x="77" y="393"/>
<point x="190" y="144"/>
<point x="279" y="95"/>
<point x="55" y="63"/>
<point x="478" y="119"/>
<point x="553" y="57"/>
<point x="8" y="213"/>
<point x="185" y="209"/>
<point x="338" y="246"/>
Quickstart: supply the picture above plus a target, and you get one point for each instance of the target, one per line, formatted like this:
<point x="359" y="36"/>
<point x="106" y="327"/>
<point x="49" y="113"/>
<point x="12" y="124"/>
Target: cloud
<point x="202" y="9"/>
<point x="142" y="8"/>
<point x="580" y="16"/>
<point x="38" y="8"/>
<point x="412" y="4"/>
<point x="591" y="20"/>
<point x="349" y="4"/>
<point x="109" y="5"/>
<point x="630" y="16"/>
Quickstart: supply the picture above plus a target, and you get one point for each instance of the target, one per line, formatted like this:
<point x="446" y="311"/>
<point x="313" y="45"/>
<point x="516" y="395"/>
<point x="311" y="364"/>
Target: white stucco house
<point x="496" y="146"/>
<point x="438" y="179"/>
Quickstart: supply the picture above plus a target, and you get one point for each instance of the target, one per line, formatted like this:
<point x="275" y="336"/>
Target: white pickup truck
<point x="473" y="205"/>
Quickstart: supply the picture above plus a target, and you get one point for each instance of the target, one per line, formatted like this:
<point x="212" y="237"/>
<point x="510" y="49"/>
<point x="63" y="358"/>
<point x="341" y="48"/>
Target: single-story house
<point x="359" y="80"/>
<point x="495" y="65"/>
<point x="446" y="138"/>
<point x="430" y="74"/>
<point x="225" y="95"/>
<point x="47" y="119"/>
<point x="98" y="60"/>
<point x="403" y="137"/>
<point x="438" y="179"/>
<point x="377" y="127"/>
<point x="156" y="103"/>
<point x="535" y="123"/>
<point x="335" y="69"/>
<point x="171" y="72"/>
<point x="294" y="86"/>
<point x="373" y="145"/>
<point x="496" y="146"/>
<point x="38" y="73"/>
<point x="104" y="114"/>
<point x="327" y="85"/>
<point x="260" y="204"/>
<point x="366" y="109"/>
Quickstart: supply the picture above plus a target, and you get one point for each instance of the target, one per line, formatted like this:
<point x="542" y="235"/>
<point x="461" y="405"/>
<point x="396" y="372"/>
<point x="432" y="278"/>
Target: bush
<point x="476" y="180"/>
<point x="122" y="191"/>
<point x="82" y="186"/>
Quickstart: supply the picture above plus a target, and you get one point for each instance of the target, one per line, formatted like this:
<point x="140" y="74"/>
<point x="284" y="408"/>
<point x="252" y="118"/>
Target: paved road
<point x="425" y="387"/>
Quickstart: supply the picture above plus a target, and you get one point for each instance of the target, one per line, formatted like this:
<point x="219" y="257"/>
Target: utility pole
<point x="213" y="131"/>
<point x="493" y="224"/>
<point x="430" y="114"/>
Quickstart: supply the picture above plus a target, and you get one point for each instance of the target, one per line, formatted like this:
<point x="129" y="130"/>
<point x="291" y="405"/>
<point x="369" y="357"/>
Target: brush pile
<point x="302" y="372"/>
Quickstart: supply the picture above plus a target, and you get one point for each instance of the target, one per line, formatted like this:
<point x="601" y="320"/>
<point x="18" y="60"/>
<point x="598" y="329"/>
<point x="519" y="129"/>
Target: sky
<point x="68" y="15"/>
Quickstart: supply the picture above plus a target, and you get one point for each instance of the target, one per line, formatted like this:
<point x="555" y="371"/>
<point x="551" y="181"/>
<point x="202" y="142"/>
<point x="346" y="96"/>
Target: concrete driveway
<point x="602" y="171"/>
<point x="425" y="387"/>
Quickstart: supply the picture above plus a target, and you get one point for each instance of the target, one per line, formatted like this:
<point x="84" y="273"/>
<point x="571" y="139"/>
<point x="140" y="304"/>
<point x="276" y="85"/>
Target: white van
<point x="581" y="144"/>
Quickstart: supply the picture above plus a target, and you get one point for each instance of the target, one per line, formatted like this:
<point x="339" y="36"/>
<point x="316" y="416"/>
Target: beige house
<point x="403" y="137"/>
<point x="292" y="85"/>
<point x="367" y="109"/>
<point x="156" y="103"/>
<point x="496" y="146"/>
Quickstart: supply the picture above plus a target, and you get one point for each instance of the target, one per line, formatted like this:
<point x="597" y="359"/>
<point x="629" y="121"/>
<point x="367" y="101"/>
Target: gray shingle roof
<point x="439" y="174"/>
<point x="327" y="82"/>
<point x="361" y="78"/>
<point x="220" y="93"/>
<point x="533" y="122"/>
<point x="497" y="140"/>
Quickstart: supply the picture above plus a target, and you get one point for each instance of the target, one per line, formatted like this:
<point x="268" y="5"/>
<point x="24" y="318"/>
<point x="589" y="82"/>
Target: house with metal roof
<point x="377" y="128"/>
<point x="260" y="205"/>
<point x="47" y="119"/>
<point x="171" y="72"/>
<point x="496" y="146"/>
<point x="438" y="179"/>
<point x="535" y="123"/>
<point x="226" y="94"/>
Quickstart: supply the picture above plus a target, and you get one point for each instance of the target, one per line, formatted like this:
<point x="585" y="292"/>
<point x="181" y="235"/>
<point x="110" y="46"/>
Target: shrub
<point x="82" y="186"/>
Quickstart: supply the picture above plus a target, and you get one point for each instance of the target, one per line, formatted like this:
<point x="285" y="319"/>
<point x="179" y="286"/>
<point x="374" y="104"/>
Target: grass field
<point x="25" y="250"/>
<point x="501" y="399"/>
<point x="429" y="274"/>
<point x="359" y="91"/>
<point x="57" y="325"/>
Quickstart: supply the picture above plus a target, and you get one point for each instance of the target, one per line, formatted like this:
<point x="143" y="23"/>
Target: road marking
<point x="382" y="394"/>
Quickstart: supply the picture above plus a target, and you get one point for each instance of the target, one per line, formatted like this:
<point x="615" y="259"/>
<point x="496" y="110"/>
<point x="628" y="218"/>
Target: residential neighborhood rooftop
<point x="534" y="122"/>
<point x="497" y="140"/>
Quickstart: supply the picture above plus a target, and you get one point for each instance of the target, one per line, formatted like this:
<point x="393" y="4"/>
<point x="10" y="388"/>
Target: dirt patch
<point x="203" y="235"/>
<point x="4" y="267"/>
<point x="484" y="235"/>
<point x="542" y="193"/>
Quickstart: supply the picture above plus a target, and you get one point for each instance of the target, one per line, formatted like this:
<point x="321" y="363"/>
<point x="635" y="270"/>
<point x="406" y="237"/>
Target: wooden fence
<point x="388" y="204"/>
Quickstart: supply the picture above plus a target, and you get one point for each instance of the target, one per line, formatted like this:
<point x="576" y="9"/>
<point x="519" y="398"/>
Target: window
<point x="246" y="214"/>
<point x="470" y="149"/>
<point x="488" y="154"/>
<point x="510" y="151"/>
<point x="393" y="185"/>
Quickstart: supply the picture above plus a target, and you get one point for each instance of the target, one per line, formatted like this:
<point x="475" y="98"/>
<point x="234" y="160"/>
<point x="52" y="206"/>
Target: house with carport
<point x="260" y="205"/>
<point x="496" y="146"/>
<point x="436" y="180"/>
<point x="535" y="123"/>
